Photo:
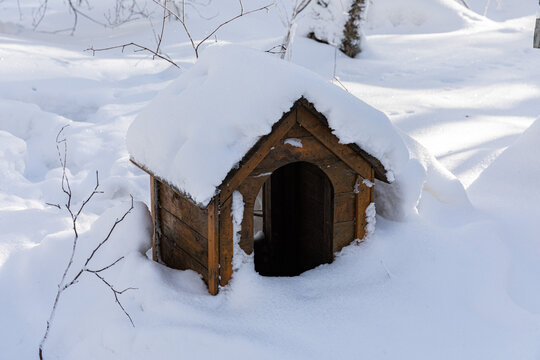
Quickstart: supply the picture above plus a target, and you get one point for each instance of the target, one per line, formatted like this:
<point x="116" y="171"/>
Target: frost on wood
<point x="370" y="220"/>
<point x="237" y="214"/>
<point x="293" y="142"/>
<point x="193" y="147"/>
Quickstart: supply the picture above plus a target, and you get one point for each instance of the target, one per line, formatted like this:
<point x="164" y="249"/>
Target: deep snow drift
<point x="451" y="279"/>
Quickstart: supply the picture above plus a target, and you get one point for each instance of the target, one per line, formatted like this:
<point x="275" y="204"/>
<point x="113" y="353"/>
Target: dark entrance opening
<point x="297" y="216"/>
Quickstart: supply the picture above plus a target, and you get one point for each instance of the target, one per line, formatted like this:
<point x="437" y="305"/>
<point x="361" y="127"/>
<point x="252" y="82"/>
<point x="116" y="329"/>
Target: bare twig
<point x="140" y="47"/>
<point x="65" y="284"/>
<point x="106" y="267"/>
<point x="122" y="13"/>
<point x="116" y="293"/>
<point x="340" y="83"/>
<point x="118" y="221"/>
<point x="298" y="8"/>
<point x="181" y="19"/>
<point x="160" y="37"/>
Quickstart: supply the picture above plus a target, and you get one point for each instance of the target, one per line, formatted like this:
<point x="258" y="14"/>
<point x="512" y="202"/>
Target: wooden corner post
<point x="154" y="200"/>
<point x="213" y="247"/>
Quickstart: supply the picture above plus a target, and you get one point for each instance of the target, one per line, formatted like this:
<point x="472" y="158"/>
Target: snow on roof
<point x="199" y="128"/>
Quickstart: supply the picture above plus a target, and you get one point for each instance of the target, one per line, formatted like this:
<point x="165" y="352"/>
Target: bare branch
<point x="118" y="221"/>
<point x="162" y="27"/>
<point x="340" y="83"/>
<point x="55" y="205"/>
<point x="116" y="293"/>
<point x="64" y="284"/>
<point x="106" y="267"/>
<point x="298" y="8"/>
<point x="95" y="191"/>
<point x="140" y="47"/>
<point x="181" y="19"/>
<point x="242" y="13"/>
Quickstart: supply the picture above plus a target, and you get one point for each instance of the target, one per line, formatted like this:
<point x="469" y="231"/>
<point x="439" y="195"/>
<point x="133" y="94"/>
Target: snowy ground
<point x="452" y="282"/>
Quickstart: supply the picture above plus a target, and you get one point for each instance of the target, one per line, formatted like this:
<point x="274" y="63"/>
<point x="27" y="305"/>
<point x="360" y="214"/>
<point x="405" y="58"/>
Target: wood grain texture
<point x="184" y="209"/>
<point x="344" y="207"/>
<point x="343" y="234"/>
<point x="176" y="258"/>
<point x="225" y="242"/>
<point x="153" y="206"/>
<point x="185" y="237"/>
<point x="213" y="248"/>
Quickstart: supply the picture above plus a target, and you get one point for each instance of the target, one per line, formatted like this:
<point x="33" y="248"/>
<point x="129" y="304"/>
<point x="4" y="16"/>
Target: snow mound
<point x="511" y="181"/>
<point x="399" y="200"/>
<point x="202" y="125"/>
<point x="419" y="16"/>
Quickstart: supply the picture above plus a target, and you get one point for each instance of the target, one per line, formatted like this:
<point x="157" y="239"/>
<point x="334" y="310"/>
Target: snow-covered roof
<point x="199" y="128"/>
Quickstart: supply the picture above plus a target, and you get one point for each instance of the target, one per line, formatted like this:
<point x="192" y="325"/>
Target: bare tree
<point x="352" y="37"/>
<point x="65" y="283"/>
<point x="122" y="12"/>
<point x="178" y="13"/>
<point x="299" y="6"/>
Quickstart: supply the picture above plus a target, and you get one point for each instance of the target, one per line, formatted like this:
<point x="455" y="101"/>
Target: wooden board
<point x="225" y="242"/>
<point x="184" y="209"/>
<point x="345" y="207"/>
<point x="184" y="237"/>
<point x="343" y="177"/>
<point x="311" y="151"/>
<point x="343" y="234"/>
<point x="153" y="209"/>
<point x="213" y="248"/>
<point x="177" y="258"/>
<point x="297" y="131"/>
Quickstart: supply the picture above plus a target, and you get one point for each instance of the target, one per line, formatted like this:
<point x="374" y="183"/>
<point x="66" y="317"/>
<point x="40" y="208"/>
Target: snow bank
<point x="202" y="125"/>
<point x="399" y="200"/>
<point x="419" y="16"/>
<point x="511" y="181"/>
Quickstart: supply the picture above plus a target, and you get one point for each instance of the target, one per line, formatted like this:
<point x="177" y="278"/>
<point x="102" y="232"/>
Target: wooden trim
<point x="156" y="237"/>
<point x="380" y="171"/>
<point x="262" y="149"/>
<point x="372" y="188"/>
<point x="213" y="248"/>
<point x="359" y="221"/>
<point x="163" y="181"/>
<point x="343" y="152"/>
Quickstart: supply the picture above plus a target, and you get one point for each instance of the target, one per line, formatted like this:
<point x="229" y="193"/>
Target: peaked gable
<point x="319" y="129"/>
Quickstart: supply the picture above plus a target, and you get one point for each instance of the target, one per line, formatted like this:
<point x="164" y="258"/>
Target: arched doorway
<point x="297" y="216"/>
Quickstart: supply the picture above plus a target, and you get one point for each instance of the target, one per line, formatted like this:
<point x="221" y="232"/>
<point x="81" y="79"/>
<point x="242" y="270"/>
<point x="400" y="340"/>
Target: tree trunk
<point x="352" y="36"/>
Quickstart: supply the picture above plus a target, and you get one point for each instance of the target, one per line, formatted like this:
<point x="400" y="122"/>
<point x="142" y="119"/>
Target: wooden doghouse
<point x="305" y="197"/>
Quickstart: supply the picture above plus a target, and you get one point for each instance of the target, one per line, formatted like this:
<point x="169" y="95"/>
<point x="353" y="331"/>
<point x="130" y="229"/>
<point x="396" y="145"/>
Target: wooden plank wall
<point x="184" y="232"/>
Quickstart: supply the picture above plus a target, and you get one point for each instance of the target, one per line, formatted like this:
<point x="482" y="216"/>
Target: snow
<point x="176" y="133"/>
<point x="371" y="220"/>
<point x="442" y="277"/>
<point x="293" y="142"/>
<point x="237" y="214"/>
<point x="325" y="20"/>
